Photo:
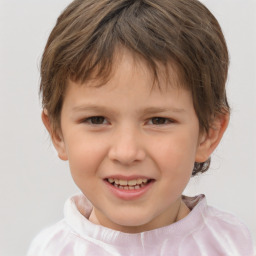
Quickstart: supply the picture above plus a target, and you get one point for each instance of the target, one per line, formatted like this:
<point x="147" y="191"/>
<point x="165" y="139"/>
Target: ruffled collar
<point x="78" y="208"/>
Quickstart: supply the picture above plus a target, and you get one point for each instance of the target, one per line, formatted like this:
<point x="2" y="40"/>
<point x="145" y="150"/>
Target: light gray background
<point x="34" y="183"/>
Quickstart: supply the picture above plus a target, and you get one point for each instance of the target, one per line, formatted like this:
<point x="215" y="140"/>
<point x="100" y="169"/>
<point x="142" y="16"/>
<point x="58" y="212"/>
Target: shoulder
<point x="224" y="232"/>
<point x="50" y="239"/>
<point x="210" y="231"/>
<point x="62" y="237"/>
<point x="226" y="222"/>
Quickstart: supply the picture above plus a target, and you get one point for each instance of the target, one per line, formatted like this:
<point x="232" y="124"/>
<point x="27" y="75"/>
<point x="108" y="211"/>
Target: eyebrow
<point x="154" y="110"/>
<point x="147" y="110"/>
<point x="89" y="108"/>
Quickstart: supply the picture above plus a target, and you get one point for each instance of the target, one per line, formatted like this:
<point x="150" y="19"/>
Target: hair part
<point x="83" y="43"/>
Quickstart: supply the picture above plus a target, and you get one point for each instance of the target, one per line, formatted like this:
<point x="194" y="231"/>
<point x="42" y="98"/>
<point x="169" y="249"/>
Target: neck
<point x="181" y="212"/>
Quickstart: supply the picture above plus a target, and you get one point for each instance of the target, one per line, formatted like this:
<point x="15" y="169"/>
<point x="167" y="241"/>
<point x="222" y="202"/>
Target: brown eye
<point x="160" y="120"/>
<point x="96" y="120"/>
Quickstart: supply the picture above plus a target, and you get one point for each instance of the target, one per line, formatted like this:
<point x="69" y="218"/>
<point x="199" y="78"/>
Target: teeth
<point x="132" y="182"/>
<point x="139" y="181"/>
<point x="125" y="183"/>
<point x="111" y="180"/>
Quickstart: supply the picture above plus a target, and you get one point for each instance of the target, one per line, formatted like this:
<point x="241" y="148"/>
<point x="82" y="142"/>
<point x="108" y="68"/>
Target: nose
<point x="126" y="147"/>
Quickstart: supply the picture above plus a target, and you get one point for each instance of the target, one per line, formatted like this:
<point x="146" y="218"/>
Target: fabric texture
<point x="204" y="231"/>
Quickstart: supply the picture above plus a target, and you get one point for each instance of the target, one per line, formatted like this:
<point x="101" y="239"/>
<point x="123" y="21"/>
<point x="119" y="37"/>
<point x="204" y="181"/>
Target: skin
<point x="127" y="138"/>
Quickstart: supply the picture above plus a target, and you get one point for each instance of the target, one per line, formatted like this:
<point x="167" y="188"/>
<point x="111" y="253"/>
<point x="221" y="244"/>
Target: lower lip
<point x="129" y="194"/>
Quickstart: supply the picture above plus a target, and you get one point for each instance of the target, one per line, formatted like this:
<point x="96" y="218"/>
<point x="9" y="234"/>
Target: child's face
<point x="126" y="131"/>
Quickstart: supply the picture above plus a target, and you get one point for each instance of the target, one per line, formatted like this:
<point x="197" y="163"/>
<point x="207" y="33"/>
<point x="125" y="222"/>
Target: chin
<point x="131" y="223"/>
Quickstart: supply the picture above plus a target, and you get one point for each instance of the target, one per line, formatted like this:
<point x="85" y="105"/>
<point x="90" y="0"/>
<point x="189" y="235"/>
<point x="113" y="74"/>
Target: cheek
<point x="84" y="155"/>
<point x="175" y="161"/>
<point x="176" y="155"/>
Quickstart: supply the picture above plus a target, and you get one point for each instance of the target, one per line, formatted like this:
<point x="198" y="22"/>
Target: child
<point x="134" y="98"/>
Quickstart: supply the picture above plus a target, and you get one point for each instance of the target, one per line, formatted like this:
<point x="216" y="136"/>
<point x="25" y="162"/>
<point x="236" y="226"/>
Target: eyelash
<point x="90" y="119"/>
<point x="163" y="120"/>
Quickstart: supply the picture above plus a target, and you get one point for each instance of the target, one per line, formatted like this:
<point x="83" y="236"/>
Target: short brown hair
<point x="184" y="32"/>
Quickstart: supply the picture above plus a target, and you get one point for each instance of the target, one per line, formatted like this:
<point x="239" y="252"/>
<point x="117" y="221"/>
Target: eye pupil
<point x="158" y="120"/>
<point x="97" y="120"/>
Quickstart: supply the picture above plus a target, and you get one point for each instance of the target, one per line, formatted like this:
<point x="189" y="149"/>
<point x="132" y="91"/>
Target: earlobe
<point x="209" y="141"/>
<point x="56" y="136"/>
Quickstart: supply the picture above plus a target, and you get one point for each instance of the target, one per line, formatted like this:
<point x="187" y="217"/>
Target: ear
<point x="210" y="140"/>
<point x="56" y="136"/>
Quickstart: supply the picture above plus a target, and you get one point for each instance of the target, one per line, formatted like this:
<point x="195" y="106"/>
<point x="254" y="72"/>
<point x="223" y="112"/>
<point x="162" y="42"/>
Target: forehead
<point x="131" y="81"/>
<point x="126" y="64"/>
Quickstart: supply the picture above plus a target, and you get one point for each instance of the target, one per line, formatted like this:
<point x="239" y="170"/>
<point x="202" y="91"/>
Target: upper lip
<point x="132" y="177"/>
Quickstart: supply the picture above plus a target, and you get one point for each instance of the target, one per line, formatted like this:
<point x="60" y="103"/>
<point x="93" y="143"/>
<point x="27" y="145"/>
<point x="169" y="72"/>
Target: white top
<point x="204" y="231"/>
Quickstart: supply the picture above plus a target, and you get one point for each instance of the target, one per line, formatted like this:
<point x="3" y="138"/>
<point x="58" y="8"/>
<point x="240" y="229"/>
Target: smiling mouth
<point x="129" y="184"/>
